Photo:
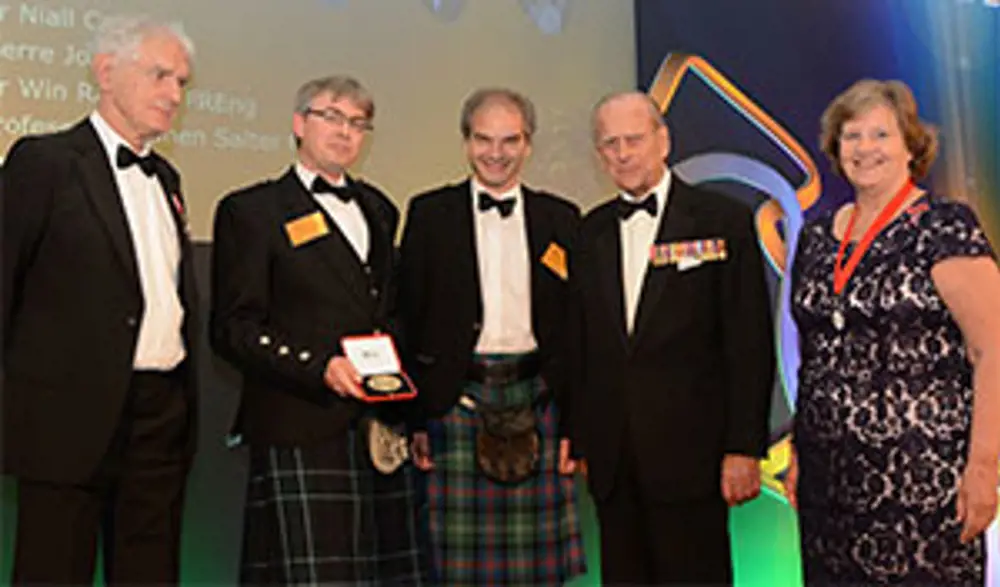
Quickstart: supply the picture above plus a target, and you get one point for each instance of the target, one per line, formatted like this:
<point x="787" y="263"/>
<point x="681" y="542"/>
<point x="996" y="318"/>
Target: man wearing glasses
<point x="299" y="263"/>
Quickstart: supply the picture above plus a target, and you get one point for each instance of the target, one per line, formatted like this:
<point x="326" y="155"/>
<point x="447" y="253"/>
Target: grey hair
<point x="655" y="115"/>
<point x="121" y="35"/>
<point x="338" y="86"/>
<point x="484" y="96"/>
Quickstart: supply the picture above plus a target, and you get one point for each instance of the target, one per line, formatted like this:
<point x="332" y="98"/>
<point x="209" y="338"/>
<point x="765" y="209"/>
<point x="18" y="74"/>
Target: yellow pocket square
<point x="555" y="259"/>
<point x="306" y="228"/>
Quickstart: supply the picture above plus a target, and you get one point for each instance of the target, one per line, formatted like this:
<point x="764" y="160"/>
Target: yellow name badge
<point x="555" y="259"/>
<point x="713" y="249"/>
<point x="307" y="228"/>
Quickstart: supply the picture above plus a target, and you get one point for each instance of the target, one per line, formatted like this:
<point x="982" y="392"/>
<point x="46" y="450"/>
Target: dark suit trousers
<point x="648" y="541"/>
<point x="134" y="500"/>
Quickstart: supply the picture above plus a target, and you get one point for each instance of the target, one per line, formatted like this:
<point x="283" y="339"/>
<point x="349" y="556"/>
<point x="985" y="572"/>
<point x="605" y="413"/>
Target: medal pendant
<point x="838" y="319"/>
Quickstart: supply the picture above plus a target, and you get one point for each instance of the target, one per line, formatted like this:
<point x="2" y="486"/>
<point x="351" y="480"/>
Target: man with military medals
<point x="674" y="362"/>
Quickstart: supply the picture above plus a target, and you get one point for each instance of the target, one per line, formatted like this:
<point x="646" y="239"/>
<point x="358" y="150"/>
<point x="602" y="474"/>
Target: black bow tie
<point x="126" y="158"/>
<point x="626" y="209"/>
<point x="343" y="192"/>
<point x="504" y="206"/>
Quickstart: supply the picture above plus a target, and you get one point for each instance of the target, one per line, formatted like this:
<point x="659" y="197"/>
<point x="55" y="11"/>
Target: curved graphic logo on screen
<point x="778" y="220"/>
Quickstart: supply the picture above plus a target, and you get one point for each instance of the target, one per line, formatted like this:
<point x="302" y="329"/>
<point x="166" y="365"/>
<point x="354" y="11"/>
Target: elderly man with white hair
<point x="98" y="297"/>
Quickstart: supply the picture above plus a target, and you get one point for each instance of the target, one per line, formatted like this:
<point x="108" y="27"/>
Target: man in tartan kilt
<point x="299" y="263"/>
<point x="484" y="265"/>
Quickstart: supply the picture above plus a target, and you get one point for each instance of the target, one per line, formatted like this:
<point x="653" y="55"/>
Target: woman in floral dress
<point x="897" y="300"/>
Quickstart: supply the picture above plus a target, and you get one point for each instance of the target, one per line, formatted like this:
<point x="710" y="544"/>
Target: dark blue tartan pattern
<point x="321" y="515"/>
<point x="484" y="533"/>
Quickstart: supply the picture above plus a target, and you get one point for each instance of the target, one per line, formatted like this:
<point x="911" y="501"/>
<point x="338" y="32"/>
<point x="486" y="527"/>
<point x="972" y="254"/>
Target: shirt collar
<point x="307" y="177"/>
<point x="659" y="190"/>
<point x="514" y="192"/>
<point x="110" y="139"/>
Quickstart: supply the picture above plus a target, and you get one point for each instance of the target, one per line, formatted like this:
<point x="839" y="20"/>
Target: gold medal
<point x="385" y="383"/>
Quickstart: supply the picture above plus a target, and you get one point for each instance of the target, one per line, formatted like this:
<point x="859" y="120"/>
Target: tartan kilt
<point x="321" y="514"/>
<point x="486" y="533"/>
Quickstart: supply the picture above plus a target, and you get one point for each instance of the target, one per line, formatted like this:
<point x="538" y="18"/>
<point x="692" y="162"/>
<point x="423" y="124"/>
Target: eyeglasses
<point x="338" y="117"/>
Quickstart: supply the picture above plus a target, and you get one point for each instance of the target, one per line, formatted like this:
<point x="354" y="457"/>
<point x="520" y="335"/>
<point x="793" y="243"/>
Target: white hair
<point x="655" y="114"/>
<point x="121" y="35"/>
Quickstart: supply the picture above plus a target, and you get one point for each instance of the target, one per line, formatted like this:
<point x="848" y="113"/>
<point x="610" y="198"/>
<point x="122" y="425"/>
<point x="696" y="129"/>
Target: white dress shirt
<point x="160" y="346"/>
<point x="347" y="215"/>
<point x="504" y="275"/>
<point x="637" y="234"/>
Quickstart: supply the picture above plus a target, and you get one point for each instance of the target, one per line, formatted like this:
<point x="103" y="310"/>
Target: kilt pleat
<point x="485" y="533"/>
<point x="321" y="515"/>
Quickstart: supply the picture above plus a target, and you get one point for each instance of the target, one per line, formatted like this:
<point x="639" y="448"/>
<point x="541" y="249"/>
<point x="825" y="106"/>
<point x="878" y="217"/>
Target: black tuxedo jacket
<point x="440" y="296"/>
<point x="693" y="380"/>
<point x="280" y="309"/>
<point x="72" y="304"/>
